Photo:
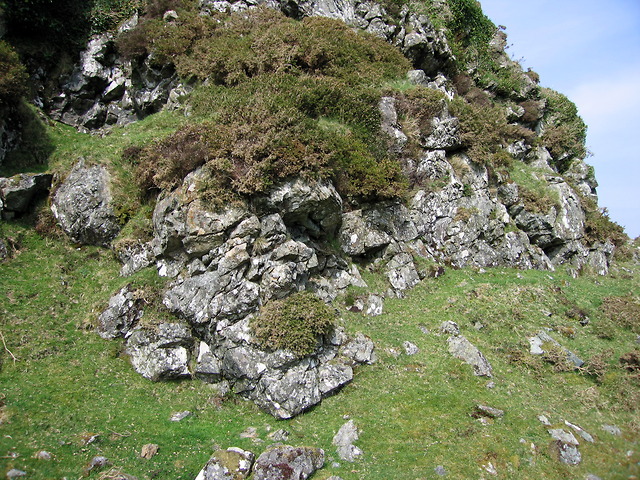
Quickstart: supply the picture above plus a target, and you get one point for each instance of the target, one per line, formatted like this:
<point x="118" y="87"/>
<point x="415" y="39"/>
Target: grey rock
<point x="410" y="348"/>
<point x="463" y="349"/>
<point x="591" y="476"/>
<point x="280" y="435"/>
<point x="314" y="206"/>
<point x="612" y="429"/>
<point x="134" y="257"/>
<point x="208" y="367"/>
<point x="98" y="462"/>
<point x="487" y="411"/>
<point x="179" y="416"/>
<point x="390" y="124"/>
<point x="374" y="306"/>
<point x="18" y="192"/>
<point x="418" y="77"/>
<point x="285" y="462"/>
<point x="569" y="454"/>
<point x="230" y="464"/>
<point x="43" y="455"/>
<point x="121" y="315"/>
<point x="402" y="272"/>
<point x="440" y="471"/>
<point x="162" y="352"/>
<point x="15" y="473"/>
<point x="542" y="338"/>
<point x="450" y="328"/>
<point x="580" y="431"/>
<point x="359" y="349"/>
<point x="343" y="440"/>
<point x="82" y="205"/>
<point x="563" y="436"/>
<point x="544" y="420"/>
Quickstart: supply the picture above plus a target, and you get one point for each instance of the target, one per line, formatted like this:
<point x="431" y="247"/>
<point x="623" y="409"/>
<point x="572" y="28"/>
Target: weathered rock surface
<point x="343" y="440"/>
<point x="463" y="349"/>
<point x="231" y="464"/>
<point x="567" y="446"/>
<point x="82" y="206"/>
<point x="542" y="343"/>
<point x="121" y="315"/>
<point x="284" y="462"/>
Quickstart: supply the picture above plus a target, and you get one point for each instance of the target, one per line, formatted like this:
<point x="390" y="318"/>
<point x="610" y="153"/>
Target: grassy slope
<point x="414" y="411"/>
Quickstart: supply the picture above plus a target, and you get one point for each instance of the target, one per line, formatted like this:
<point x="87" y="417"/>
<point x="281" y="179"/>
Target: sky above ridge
<point x="588" y="50"/>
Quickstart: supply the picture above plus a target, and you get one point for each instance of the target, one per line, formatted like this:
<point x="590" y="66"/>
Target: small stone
<point x="424" y="329"/>
<point x="279" y="435"/>
<point x="544" y="420"/>
<point x="612" y="429"/>
<point x="149" y="450"/>
<point x="288" y="462"/>
<point x="176" y="417"/>
<point x="490" y="468"/>
<point x="15" y="473"/>
<point x="580" y="432"/>
<point x="250" y="432"/>
<point x="563" y="436"/>
<point x="591" y="476"/>
<point x="569" y="454"/>
<point x="97" y="463"/>
<point x="231" y="464"/>
<point x="491" y="384"/>
<point x="410" y="348"/>
<point x="43" y="455"/>
<point x="374" y="306"/>
<point x="450" y="328"/>
<point x="440" y="470"/>
<point x="486" y="411"/>
<point x="344" y="439"/>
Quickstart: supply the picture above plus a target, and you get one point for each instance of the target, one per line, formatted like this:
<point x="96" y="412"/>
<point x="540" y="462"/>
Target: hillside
<point x="340" y="211"/>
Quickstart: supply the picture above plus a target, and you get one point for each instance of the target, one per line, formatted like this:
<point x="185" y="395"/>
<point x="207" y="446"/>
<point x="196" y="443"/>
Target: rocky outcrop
<point x="106" y="90"/>
<point x="82" y="206"/>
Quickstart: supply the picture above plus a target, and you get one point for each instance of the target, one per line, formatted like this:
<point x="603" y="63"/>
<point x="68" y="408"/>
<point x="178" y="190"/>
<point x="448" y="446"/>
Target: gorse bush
<point x="293" y="323"/>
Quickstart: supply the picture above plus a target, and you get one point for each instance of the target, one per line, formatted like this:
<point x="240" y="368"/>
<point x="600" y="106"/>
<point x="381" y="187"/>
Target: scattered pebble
<point x="491" y="384"/>
<point x="424" y="329"/>
<point x="612" y="429"/>
<point x="490" y="468"/>
<point x="592" y="477"/>
<point x="149" y="450"/>
<point x="176" y="417"/>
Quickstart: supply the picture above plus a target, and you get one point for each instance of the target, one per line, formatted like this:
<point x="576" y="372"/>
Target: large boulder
<point x="83" y="206"/>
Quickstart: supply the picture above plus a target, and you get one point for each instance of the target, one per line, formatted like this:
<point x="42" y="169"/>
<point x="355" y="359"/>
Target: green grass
<point x="414" y="411"/>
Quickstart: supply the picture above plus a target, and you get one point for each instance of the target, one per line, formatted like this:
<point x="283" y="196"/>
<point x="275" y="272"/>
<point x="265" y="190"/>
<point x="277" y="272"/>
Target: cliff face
<point x="462" y="160"/>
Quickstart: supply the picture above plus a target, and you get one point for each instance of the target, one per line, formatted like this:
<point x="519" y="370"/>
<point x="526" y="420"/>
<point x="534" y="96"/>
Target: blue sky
<point x="590" y="51"/>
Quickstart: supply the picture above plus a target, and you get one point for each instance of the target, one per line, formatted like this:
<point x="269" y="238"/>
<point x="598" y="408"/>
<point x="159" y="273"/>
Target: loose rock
<point x="463" y="349"/>
<point x="231" y="464"/>
<point x="344" y="439"/>
<point x="149" y="450"/>
<point x="284" y="462"/>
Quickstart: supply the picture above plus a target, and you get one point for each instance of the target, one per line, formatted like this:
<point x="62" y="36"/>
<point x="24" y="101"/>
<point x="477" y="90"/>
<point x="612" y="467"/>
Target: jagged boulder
<point x="121" y="315"/>
<point x="83" y="207"/>
<point x="162" y="351"/>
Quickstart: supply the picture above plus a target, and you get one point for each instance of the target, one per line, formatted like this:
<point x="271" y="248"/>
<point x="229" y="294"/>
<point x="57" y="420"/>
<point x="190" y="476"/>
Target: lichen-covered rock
<point x="284" y="462"/>
<point x="83" y="207"/>
<point x="463" y="349"/>
<point x="121" y="315"/>
<point x="230" y="464"/>
<point x="161" y="352"/>
<point x="343" y="440"/>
